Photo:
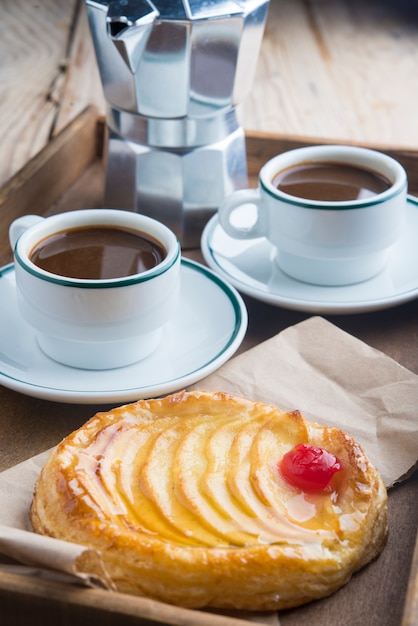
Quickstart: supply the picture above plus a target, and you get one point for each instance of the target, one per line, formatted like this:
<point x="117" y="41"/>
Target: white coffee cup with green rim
<point x="323" y="242"/>
<point x="96" y="323"/>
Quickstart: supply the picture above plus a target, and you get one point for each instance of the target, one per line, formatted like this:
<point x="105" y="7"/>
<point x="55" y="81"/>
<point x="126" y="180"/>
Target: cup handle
<point x="236" y="200"/>
<point x="18" y="227"/>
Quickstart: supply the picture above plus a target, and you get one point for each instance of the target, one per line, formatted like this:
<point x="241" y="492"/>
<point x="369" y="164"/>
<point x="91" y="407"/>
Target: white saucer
<point x="208" y="328"/>
<point x="249" y="266"/>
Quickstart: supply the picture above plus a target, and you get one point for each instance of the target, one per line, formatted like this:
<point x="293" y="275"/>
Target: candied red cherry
<point x="309" y="467"/>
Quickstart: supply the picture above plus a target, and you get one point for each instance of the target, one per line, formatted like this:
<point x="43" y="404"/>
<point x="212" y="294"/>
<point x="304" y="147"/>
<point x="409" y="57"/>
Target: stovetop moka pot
<point x="173" y="72"/>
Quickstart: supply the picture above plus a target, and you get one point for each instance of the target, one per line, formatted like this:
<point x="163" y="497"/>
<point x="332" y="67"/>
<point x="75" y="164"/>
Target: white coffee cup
<point x="96" y="323"/>
<point x="323" y="242"/>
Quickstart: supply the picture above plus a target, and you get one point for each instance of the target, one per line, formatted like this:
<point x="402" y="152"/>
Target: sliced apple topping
<point x="201" y="478"/>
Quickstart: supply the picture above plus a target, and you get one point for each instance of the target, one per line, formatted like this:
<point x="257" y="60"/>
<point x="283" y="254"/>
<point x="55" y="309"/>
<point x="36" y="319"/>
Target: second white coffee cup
<point x="323" y="242"/>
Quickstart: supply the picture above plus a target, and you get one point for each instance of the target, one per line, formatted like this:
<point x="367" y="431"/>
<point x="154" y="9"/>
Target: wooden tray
<point x="68" y="174"/>
<point x="50" y="174"/>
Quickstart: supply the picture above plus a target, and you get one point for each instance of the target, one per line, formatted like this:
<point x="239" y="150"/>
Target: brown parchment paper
<point x="330" y="376"/>
<point x="336" y="380"/>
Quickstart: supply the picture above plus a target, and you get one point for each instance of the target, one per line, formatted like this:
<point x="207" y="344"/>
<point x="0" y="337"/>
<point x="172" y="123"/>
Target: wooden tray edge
<point x="410" y="612"/>
<point x="50" y="173"/>
<point x="263" y="146"/>
<point x="39" y="185"/>
<point x="22" y="590"/>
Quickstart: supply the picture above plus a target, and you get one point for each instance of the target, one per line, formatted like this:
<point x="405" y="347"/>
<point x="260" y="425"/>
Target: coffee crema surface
<point x="330" y="182"/>
<point x="97" y="253"/>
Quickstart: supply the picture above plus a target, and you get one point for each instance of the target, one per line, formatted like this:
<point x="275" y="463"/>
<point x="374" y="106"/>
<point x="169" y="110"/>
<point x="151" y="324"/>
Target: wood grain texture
<point x="39" y="184"/>
<point x="263" y="146"/>
<point x="341" y="69"/>
<point x="33" y="63"/>
<point x="410" y="616"/>
<point x="330" y="69"/>
<point x="68" y="604"/>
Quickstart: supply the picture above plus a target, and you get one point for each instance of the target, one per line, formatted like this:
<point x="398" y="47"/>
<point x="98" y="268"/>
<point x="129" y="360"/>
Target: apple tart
<point x="206" y="499"/>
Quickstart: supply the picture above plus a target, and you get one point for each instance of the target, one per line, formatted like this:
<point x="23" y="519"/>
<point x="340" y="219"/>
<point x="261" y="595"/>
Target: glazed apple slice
<point x="214" y="486"/>
<point x="188" y="476"/>
<point x="162" y="480"/>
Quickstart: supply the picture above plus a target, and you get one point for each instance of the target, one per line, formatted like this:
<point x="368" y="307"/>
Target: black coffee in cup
<point x="97" y="253"/>
<point x="330" y="182"/>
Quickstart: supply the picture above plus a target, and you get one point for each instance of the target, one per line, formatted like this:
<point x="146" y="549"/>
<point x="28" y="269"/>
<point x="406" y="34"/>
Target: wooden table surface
<point x="328" y="69"/>
<point x="334" y="69"/>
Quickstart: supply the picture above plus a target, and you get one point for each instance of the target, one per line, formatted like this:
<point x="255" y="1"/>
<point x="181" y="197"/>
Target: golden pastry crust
<point x="184" y="499"/>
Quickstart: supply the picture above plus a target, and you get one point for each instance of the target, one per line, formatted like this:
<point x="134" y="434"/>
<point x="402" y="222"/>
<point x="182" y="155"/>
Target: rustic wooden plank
<point x="341" y="69"/>
<point x="33" y="50"/>
<point x="410" y="616"/>
<point x="338" y="70"/>
<point x="82" y="86"/>
<point x="263" y="146"/>
<point x="94" y="606"/>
